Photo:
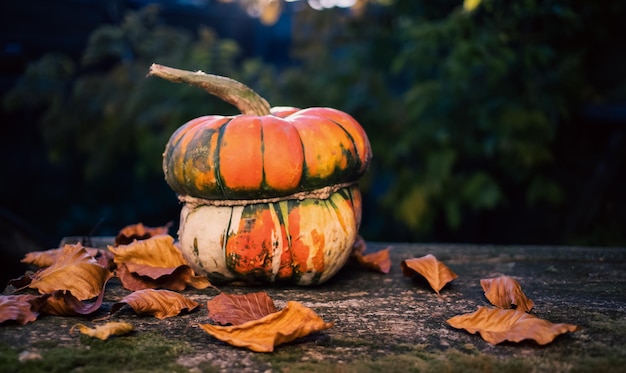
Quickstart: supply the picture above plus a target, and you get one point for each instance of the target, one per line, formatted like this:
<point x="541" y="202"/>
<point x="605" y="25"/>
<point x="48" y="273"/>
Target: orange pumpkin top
<point x="263" y="153"/>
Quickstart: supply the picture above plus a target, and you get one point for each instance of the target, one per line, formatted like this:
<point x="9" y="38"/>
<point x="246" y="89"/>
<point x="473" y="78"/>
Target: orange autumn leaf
<point x="149" y="278"/>
<point x="138" y="231"/>
<point x="160" y="303"/>
<point x="262" y="335"/>
<point x="157" y="251"/>
<point x="105" y="331"/>
<point x="47" y="258"/>
<point x="63" y="303"/>
<point x="155" y="263"/>
<point x="165" y="278"/>
<point x="435" y="272"/>
<point x="74" y="270"/>
<point x="378" y="261"/>
<point x="41" y="258"/>
<point x="498" y="325"/>
<point x="505" y="292"/>
<point x="359" y="245"/>
<point x="22" y="308"/>
<point x="240" y="308"/>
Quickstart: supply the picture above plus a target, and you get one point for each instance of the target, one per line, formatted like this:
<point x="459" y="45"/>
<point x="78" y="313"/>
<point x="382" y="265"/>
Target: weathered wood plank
<point x="381" y="318"/>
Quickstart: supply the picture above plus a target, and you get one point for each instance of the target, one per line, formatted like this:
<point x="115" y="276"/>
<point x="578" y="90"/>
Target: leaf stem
<point x="229" y="90"/>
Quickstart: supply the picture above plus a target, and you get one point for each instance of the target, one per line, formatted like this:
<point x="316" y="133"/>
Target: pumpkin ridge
<point x="305" y="167"/>
<point x="184" y="169"/>
<point x="196" y="252"/>
<point x="346" y="194"/>
<point x="280" y="213"/>
<point x="336" y="163"/>
<point x="278" y="249"/>
<point x="198" y="141"/>
<point x="335" y="208"/>
<point x="263" y="185"/>
<point x="354" y="130"/>
<point x="283" y="218"/>
<point x="240" y="157"/>
<point x="172" y="154"/>
<point x="232" y="260"/>
<point x="346" y="152"/>
<point x="216" y="159"/>
<point x="226" y="233"/>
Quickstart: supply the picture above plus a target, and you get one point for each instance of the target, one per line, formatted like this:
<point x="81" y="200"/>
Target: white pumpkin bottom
<point x="269" y="237"/>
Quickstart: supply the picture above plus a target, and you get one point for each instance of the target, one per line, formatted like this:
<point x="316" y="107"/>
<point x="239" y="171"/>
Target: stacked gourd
<point x="269" y="195"/>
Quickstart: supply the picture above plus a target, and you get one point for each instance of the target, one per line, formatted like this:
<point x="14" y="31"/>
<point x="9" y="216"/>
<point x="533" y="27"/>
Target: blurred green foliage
<point x="463" y="109"/>
<point x="105" y="125"/>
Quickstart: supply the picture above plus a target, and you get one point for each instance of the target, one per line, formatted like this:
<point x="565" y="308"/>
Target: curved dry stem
<point x="229" y="90"/>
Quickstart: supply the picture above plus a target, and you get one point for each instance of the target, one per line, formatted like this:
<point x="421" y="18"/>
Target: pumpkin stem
<point x="229" y="90"/>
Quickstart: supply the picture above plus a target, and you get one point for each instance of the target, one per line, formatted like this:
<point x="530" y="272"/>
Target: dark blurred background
<point x="491" y="122"/>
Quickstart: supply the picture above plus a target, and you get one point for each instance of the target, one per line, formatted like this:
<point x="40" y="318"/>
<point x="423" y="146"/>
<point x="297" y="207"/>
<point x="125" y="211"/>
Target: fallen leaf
<point x="497" y="325"/>
<point x="47" y="258"/>
<point x="138" y="231"/>
<point x="155" y="263"/>
<point x="23" y="308"/>
<point x="103" y="332"/>
<point x="20" y="282"/>
<point x="237" y="309"/>
<point x="160" y="303"/>
<point x="164" y="278"/>
<point x="505" y="291"/>
<point x="359" y="246"/>
<point x="435" y="272"/>
<point x="262" y="335"/>
<point x="41" y="258"/>
<point x="74" y="270"/>
<point x="378" y="261"/>
<point x="63" y="303"/>
<point x="105" y="259"/>
<point x="157" y="251"/>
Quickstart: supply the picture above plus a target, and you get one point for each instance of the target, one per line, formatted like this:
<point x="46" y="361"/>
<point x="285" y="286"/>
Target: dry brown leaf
<point x="105" y="331"/>
<point x="237" y="309"/>
<point x="41" y="258"/>
<point x="435" y="272"/>
<point x="158" y="251"/>
<point x="134" y="282"/>
<point x="155" y="263"/>
<point x="47" y="258"/>
<point x="160" y="303"/>
<point x="22" y="308"/>
<point x="138" y="231"/>
<point x="262" y="335"/>
<point x="74" y="270"/>
<point x="21" y="282"/>
<point x="505" y="291"/>
<point x="63" y="303"/>
<point x="165" y="278"/>
<point x="497" y="325"/>
<point x="378" y="261"/>
<point x="359" y="246"/>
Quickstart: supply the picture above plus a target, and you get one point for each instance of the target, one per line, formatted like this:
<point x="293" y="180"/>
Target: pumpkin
<point x="243" y="157"/>
<point x="301" y="241"/>
<point x="269" y="195"/>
